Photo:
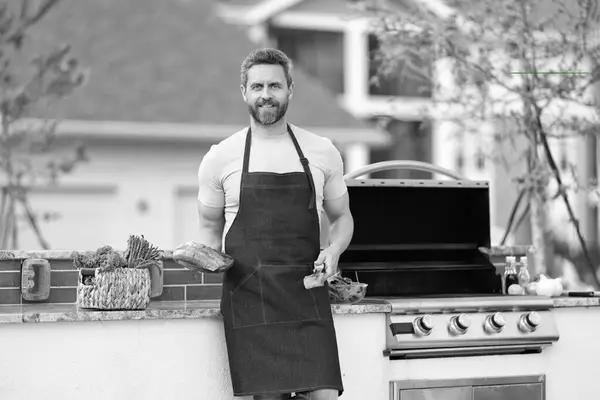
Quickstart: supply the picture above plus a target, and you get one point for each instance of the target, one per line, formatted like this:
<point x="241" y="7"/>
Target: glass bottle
<point x="510" y="273"/>
<point x="524" y="276"/>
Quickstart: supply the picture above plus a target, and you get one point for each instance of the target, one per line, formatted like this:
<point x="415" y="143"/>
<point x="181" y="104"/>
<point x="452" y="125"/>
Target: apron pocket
<point x="246" y="302"/>
<point x="285" y="299"/>
<point x="321" y="295"/>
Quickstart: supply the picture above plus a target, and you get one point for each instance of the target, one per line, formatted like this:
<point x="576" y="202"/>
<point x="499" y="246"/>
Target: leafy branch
<point x="27" y="152"/>
<point x="474" y="49"/>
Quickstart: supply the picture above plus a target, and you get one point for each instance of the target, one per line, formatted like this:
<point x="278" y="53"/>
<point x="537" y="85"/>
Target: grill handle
<point x="403" y="164"/>
<point x="401" y="328"/>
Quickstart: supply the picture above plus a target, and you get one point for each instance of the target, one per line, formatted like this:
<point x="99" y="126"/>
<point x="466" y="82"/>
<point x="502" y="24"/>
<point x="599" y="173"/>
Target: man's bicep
<point x="210" y="185"/>
<point x="211" y="201"/>
<point x="212" y="221"/>
<point x="335" y="185"/>
<point x="210" y="216"/>
<point x="337" y="207"/>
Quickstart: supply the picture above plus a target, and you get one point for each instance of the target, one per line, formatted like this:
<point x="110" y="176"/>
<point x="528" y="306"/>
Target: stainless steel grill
<point x="442" y="327"/>
<point x="417" y="244"/>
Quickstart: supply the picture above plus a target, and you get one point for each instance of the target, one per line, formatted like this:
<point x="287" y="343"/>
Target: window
<point x="319" y="54"/>
<point x="412" y="140"/>
<point x="392" y="84"/>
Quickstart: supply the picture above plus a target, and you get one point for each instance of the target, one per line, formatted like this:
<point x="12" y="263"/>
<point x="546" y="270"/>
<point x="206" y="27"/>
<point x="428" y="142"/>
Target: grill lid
<point x="407" y="214"/>
<point x="420" y="237"/>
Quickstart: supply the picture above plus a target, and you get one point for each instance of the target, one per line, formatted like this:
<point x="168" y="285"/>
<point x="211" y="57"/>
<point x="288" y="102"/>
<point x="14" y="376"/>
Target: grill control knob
<point x="494" y="323"/>
<point x="530" y="321"/>
<point x="459" y="324"/>
<point x="423" y="325"/>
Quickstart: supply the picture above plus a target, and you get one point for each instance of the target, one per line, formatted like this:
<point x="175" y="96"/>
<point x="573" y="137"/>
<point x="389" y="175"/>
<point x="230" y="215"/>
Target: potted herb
<point x="111" y="281"/>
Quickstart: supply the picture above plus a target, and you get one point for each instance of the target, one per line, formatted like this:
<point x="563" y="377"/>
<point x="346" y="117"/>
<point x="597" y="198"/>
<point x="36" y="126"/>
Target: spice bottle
<point x="524" y="276"/>
<point x="510" y="274"/>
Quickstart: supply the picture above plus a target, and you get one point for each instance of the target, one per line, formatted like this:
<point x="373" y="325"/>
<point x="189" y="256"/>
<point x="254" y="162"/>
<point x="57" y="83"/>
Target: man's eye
<point x="256" y="87"/>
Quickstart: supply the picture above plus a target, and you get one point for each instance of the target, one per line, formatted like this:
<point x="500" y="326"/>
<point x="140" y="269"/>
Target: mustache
<point x="267" y="103"/>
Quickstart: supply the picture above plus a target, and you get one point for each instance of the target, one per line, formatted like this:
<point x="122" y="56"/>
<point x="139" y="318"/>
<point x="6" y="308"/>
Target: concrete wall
<point x="186" y="359"/>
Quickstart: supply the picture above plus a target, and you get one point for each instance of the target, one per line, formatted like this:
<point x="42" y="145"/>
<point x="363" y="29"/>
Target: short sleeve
<point x="210" y="183"/>
<point x="335" y="186"/>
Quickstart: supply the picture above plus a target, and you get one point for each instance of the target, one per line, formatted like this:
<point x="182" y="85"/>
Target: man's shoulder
<point x="320" y="150"/>
<point x="234" y="141"/>
<point x="314" y="140"/>
<point x="230" y="146"/>
<point x="227" y="150"/>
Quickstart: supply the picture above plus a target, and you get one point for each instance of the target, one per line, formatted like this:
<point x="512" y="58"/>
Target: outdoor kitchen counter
<point x="32" y="313"/>
<point x="177" y="350"/>
<point x="561" y="302"/>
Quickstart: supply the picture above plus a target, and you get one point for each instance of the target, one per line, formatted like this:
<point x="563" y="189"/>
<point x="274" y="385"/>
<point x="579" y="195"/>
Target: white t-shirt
<point x="220" y="171"/>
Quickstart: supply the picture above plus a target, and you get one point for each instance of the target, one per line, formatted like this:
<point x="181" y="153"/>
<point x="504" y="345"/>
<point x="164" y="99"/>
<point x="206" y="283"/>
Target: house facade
<point x="163" y="87"/>
<point x="333" y="44"/>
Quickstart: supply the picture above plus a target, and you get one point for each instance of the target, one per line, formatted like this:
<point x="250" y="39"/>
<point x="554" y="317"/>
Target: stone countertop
<point x="563" y="301"/>
<point x="168" y="253"/>
<point x="32" y="313"/>
<point x="57" y="254"/>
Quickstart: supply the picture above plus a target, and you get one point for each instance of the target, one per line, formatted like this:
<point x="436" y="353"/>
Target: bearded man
<point x="262" y="192"/>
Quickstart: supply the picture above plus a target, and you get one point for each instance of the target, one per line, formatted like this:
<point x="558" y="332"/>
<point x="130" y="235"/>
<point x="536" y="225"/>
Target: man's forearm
<point x="340" y="232"/>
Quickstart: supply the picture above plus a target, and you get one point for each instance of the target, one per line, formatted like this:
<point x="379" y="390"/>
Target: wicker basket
<point x="119" y="289"/>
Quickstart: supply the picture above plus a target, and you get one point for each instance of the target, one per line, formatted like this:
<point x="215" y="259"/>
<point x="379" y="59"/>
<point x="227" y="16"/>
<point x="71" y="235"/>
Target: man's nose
<point x="266" y="93"/>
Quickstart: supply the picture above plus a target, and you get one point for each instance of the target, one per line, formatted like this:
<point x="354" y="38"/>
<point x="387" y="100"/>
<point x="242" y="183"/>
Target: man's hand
<point x="328" y="261"/>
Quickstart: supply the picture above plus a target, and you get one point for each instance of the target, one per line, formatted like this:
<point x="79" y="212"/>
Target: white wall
<point x="186" y="359"/>
<point x="99" y="203"/>
<point x="100" y="200"/>
<point x="164" y="359"/>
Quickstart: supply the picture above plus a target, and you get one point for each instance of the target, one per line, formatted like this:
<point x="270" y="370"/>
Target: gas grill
<point x="417" y="244"/>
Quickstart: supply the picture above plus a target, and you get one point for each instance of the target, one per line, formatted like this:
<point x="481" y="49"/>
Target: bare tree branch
<point x="56" y="76"/>
<point x="511" y="218"/>
<point x="573" y="219"/>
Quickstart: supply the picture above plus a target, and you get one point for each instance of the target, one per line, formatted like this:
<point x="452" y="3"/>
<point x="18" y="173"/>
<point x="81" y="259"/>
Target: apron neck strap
<point x="247" y="152"/>
<point x="303" y="161"/>
<point x="305" y="166"/>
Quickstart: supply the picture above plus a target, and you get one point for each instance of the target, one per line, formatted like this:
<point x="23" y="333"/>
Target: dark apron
<point x="280" y="336"/>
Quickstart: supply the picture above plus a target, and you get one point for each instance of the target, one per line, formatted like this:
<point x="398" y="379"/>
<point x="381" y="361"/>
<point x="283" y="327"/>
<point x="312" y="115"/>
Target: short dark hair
<point x="267" y="56"/>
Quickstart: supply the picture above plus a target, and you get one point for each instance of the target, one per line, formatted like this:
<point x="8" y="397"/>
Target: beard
<point x="267" y="116"/>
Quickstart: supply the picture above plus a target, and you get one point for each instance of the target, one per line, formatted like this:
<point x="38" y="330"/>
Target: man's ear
<point x="243" y="89"/>
<point x="291" y="90"/>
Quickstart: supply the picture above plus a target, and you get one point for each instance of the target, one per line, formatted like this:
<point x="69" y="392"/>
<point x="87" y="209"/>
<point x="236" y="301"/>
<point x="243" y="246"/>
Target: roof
<point x="336" y="7"/>
<point x="258" y="11"/>
<point x="319" y="6"/>
<point x="165" y="61"/>
<point x="248" y="3"/>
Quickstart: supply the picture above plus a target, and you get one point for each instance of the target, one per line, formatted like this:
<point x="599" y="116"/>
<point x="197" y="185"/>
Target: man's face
<point x="267" y="93"/>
